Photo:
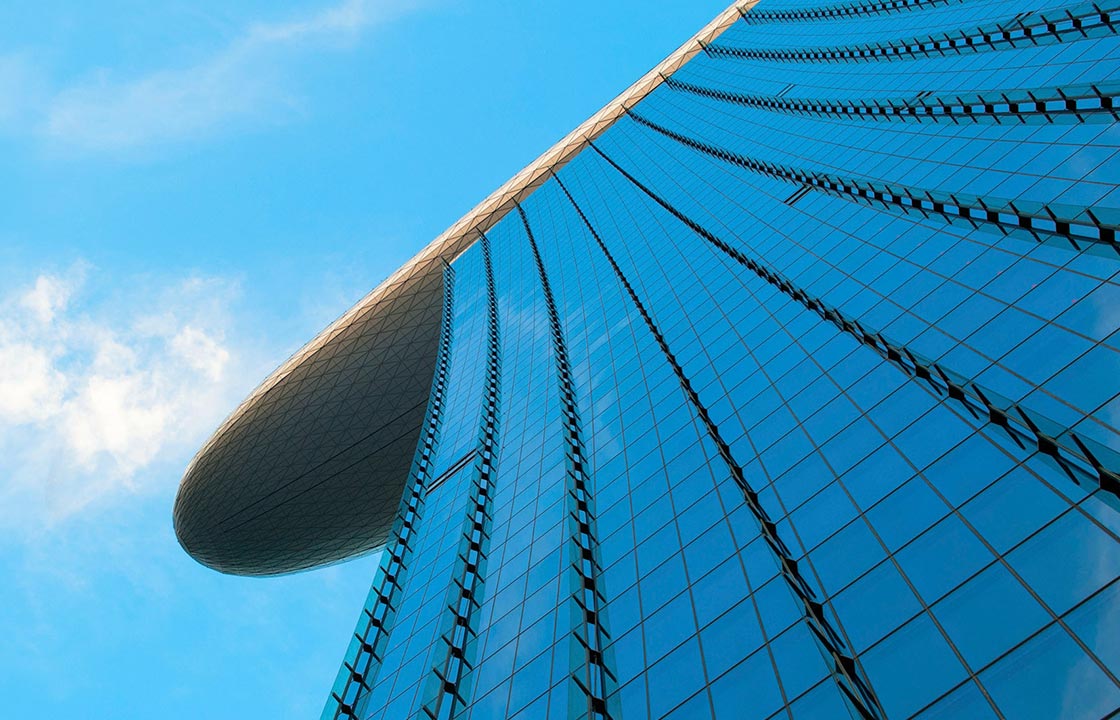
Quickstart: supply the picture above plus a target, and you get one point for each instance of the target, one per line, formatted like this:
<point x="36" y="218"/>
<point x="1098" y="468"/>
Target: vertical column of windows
<point x="593" y="679"/>
<point x="444" y="697"/>
<point x="842" y="665"/>
<point x="520" y="662"/>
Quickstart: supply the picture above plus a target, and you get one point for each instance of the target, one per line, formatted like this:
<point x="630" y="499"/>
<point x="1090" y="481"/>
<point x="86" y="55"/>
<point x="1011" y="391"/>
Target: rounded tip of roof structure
<point x="309" y="470"/>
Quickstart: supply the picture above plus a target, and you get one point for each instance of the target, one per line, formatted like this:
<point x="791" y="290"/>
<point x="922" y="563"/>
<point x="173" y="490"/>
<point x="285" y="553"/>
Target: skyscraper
<point x="788" y="385"/>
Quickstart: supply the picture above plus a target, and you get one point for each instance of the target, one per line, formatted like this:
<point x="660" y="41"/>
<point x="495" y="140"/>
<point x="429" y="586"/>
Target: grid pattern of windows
<point x="809" y="394"/>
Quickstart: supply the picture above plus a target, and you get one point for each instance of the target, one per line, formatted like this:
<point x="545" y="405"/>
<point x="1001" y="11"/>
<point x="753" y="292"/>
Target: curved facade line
<point x="837" y="12"/>
<point x="1070" y="225"/>
<point x="842" y="665"/>
<point x="1032" y="28"/>
<point x="1084" y="461"/>
<point x="444" y="697"/>
<point x="594" y="677"/>
<point x="1073" y="104"/>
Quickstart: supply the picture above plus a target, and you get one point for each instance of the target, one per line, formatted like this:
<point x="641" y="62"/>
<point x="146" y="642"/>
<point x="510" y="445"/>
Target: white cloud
<point x="30" y="387"/>
<point x="94" y="396"/>
<point x="46" y="298"/>
<point x="201" y="352"/>
<point x="250" y="79"/>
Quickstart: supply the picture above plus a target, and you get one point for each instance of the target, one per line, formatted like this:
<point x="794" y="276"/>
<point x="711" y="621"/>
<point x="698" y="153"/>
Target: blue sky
<point x="191" y="190"/>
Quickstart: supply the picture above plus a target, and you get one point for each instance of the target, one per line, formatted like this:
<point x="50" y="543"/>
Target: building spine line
<point x="843" y="670"/>
<point x="1076" y="103"/>
<point x="836" y="12"/>
<point x="1087" y="20"/>
<point x="1080" y="458"/>
<point x="594" y="678"/>
<point x="444" y="696"/>
<point x="1070" y="225"/>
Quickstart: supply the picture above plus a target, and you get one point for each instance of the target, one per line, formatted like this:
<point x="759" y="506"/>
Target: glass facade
<point x="794" y="394"/>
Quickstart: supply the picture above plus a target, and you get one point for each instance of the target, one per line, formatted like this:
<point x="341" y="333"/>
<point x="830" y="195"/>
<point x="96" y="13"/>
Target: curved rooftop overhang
<point x="310" y="468"/>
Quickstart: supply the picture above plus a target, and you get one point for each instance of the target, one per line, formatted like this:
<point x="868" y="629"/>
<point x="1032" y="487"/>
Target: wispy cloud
<point x="93" y="395"/>
<point x="248" y="80"/>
